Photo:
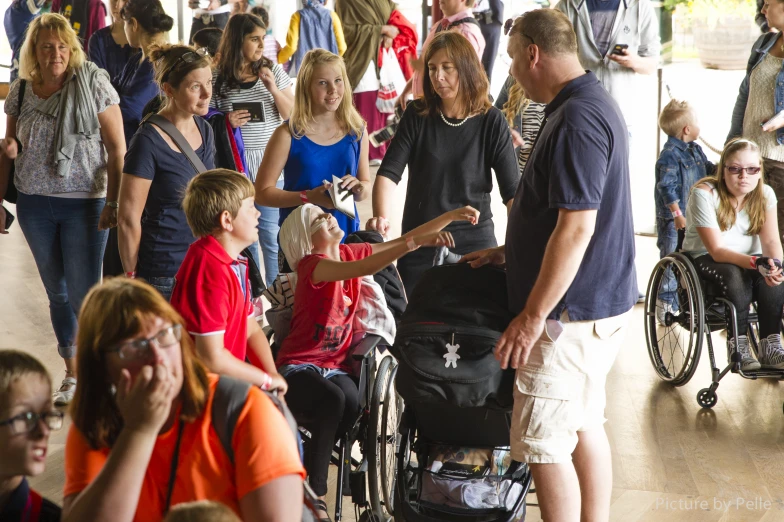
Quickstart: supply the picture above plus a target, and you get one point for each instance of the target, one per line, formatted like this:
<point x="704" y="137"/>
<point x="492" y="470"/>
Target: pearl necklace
<point x="453" y="124"/>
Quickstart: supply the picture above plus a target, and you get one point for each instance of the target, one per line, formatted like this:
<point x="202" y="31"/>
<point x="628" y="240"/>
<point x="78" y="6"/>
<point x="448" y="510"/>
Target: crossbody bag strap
<point x="175" y="462"/>
<point x="179" y="140"/>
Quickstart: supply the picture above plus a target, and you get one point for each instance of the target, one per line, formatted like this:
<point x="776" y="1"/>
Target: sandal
<point x="320" y="505"/>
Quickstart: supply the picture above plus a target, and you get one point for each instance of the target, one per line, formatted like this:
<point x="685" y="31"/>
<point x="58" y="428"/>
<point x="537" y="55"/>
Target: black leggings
<point x="327" y="409"/>
<point x="742" y="286"/>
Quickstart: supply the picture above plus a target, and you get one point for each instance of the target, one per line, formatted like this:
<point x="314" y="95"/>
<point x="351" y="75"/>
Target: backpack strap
<point x="227" y="403"/>
<point x="466" y="20"/>
<point x="178" y="139"/>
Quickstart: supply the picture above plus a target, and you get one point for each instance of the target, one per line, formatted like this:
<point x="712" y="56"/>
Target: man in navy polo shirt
<point x="569" y="258"/>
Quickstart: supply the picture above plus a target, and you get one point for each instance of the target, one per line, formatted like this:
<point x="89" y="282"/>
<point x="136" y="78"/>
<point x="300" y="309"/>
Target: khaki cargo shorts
<point x="562" y="388"/>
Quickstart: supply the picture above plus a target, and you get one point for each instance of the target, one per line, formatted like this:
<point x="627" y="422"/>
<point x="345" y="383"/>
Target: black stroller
<point x="453" y="461"/>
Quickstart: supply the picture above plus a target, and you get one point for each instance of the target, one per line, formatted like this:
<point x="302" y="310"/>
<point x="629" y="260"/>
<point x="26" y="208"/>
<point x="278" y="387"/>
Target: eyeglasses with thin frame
<point x="27" y="421"/>
<point x="736" y="171"/>
<point x="139" y="348"/>
<point x="508" y="27"/>
<point x="187" y="57"/>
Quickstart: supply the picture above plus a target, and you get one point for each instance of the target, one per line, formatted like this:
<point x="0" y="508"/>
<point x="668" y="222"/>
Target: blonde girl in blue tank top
<point x="324" y="137"/>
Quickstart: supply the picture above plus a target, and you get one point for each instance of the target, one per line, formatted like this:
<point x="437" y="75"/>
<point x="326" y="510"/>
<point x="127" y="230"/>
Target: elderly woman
<point x="154" y="234"/>
<point x="449" y="140"/>
<point x="64" y="135"/>
<point x="143" y="438"/>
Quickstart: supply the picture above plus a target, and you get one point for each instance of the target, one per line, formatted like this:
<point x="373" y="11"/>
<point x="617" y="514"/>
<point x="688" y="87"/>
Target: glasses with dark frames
<point x="187" y="57"/>
<point x="139" y="348"/>
<point x="508" y="27"/>
<point x="27" y="421"/>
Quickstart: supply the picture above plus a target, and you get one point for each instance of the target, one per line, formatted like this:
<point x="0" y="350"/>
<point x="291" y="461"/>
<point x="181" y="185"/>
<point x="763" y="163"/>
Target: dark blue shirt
<point x="679" y="167"/>
<point x="135" y="87"/>
<point x="17" y="17"/>
<point x="108" y="54"/>
<point x="24" y="503"/>
<point x="602" y="14"/>
<point x="166" y="235"/>
<point x="580" y="162"/>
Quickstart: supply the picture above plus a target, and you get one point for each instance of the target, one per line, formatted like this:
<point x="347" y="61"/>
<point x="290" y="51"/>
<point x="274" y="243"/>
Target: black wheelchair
<point x="375" y="432"/>
<point x="675" y="338"/>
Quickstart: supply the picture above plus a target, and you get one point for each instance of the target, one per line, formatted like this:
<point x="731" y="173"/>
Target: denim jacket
<point x="758" y="52"/>
<point x="679" y="167"/>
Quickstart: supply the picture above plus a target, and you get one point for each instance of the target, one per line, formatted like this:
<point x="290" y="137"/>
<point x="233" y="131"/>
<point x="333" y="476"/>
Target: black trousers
<point x="492" y="34"/>
<point x="327" y="409"/>
<point x="468" y="239"/>
<point x="742" y="286"/>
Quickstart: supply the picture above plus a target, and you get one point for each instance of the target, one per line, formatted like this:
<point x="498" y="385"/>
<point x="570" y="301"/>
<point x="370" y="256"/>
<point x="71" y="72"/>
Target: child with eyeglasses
<point x="681" y="163"/>
<point x="26" y="420"/>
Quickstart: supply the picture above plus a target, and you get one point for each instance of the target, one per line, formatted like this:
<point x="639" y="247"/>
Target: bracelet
<point x="753" y="261"/>
<point x="112" y="204"/>
<point x="303" y="196"/>
<point x="411" y="244"/>
<point x="131" y="275"/>
<point x="676" y="213"/>
<point x="267" y="384"/>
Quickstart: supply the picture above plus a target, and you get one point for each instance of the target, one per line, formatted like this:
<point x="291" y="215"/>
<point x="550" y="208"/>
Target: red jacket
<point x="404" y="44"/>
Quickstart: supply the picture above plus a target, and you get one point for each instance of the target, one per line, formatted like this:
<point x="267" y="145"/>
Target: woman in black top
<point x="450" y="140"/>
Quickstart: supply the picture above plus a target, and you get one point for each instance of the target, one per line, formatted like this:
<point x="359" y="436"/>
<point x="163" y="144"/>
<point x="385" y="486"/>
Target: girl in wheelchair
<point x="314" y="356"/>
<point x="732" y="235"/>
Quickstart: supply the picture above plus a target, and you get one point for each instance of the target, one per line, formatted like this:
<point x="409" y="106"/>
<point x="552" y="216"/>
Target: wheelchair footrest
<point x="356" y="480"/>
<point x="762" y="373"/>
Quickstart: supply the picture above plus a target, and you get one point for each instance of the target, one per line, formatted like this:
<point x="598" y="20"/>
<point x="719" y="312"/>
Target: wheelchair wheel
<point x="391" y="414"/>
<point x="707" y="398"/>
<point x="675" y="338"/>
<point x="378" y="439"/>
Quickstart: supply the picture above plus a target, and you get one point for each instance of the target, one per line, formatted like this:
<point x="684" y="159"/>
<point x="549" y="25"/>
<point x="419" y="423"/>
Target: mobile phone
<point x="9" y="218"/>
<point x="256" y="110"/>
<point x="619" y="48"/>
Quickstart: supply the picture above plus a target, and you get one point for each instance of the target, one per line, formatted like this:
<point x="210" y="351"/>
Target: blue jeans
<point x="68" y="250"/>
<point x="164" y="285"/>
<point x="268" y="238"/>
<point x="667" y="242"/>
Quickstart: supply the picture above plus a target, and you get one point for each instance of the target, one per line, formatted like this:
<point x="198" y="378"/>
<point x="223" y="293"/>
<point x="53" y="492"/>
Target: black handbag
<point x="256" y="280"/>
<point x="11" y="194"/>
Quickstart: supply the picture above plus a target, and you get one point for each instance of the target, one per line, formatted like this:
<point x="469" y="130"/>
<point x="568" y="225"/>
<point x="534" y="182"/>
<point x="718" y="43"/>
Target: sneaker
<point x="374" y="162"/>
<point x="771" y="352"/>
<point x="65" y="394"/>
<point x="640" y="297"/>
<point x="662" y="309"/>
<point x="747" y="362"/>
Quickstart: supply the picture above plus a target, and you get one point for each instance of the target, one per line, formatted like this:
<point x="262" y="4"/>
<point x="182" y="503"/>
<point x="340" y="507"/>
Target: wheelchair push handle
<point x="681" y="237"/>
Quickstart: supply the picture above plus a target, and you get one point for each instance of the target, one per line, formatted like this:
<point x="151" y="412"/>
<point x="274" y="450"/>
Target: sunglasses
<point x="508" y="27"/>
<point x="187" y="57"/>
<point x="737" y="171"/>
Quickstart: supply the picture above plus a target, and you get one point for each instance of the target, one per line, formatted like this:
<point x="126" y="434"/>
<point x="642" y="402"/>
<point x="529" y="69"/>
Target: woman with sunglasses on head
<point x="243" y="75"/>
<point x="154" y="234"/>
<point x="449" y="140"/>
<point x="27" y="417"/>
<point x="146" y="26"/>
<point x="143" y="437"/>
<point x="732" y="234"/>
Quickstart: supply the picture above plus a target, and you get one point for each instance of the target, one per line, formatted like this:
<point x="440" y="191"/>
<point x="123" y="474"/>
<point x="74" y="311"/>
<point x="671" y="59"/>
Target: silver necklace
<point x="453" y="124"/>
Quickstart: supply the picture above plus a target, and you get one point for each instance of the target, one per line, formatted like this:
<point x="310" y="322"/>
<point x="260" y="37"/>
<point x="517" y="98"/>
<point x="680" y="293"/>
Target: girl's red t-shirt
<point x="321" y="326"/>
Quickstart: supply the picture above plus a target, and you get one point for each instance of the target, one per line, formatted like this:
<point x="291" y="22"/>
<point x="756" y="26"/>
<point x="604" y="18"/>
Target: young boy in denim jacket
<point x="680" y="165"/>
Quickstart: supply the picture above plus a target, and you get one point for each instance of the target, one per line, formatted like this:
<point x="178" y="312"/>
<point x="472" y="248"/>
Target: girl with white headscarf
<point x="313" y="357"/>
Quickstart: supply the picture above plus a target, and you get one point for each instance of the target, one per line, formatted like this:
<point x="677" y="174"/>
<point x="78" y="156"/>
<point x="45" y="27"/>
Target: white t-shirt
<point x="702" y="211"/>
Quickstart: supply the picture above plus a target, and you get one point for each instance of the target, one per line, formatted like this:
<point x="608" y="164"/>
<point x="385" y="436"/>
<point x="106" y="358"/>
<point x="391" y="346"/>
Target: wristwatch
<point x="112" y="204"/>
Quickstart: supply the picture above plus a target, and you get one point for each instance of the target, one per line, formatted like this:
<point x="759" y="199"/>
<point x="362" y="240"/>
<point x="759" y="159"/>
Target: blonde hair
<point x="14" y="365"/>
<point x="211" y="193"/>
<point x="201" y="511"/>
<point x="754" y="202"/>
<point x="29" y="68"/>
<point x="515" y="103"/>
<point x="301" y="120"/>
<point x="675" y="116"/>
<point x="111" y="312"/>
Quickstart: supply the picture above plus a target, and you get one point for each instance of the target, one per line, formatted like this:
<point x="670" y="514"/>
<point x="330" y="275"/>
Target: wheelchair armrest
<point x="366" y="347"/>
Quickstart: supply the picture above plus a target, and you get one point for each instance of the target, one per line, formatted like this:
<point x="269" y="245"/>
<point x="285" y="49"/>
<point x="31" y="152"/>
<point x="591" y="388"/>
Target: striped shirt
<point x="256" y="135"/>
<point x="532" y="119"/>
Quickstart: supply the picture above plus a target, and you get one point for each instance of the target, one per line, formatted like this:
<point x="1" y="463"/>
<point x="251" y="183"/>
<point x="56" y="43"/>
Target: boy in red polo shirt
<point x="213" y="292"/>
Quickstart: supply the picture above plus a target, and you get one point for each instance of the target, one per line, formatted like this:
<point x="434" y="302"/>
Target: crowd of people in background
<point x="186" y="169"/>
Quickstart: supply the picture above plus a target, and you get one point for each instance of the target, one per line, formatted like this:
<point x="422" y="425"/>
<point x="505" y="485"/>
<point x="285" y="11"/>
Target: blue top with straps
<point x="310" y="164"/>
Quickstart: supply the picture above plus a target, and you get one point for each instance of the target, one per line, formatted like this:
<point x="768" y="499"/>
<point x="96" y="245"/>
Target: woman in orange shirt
<point x="142" y="438"/>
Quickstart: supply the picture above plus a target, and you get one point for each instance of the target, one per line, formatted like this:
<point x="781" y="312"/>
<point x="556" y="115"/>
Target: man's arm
<point x="562" y="259"/>
<point x="218" y="359"/>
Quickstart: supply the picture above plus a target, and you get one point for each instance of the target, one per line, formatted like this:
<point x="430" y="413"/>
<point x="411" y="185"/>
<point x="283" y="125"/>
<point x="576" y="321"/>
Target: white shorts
<point x="562" y="388"/>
